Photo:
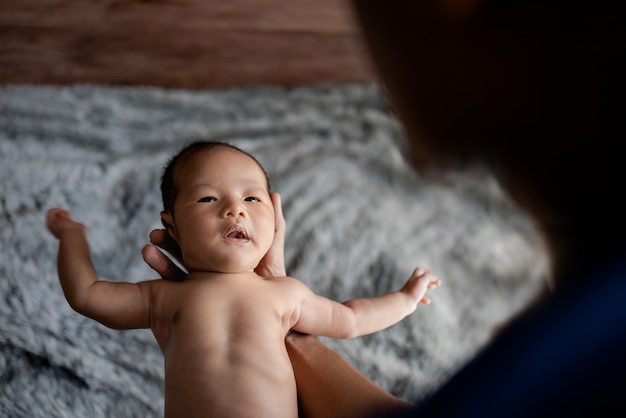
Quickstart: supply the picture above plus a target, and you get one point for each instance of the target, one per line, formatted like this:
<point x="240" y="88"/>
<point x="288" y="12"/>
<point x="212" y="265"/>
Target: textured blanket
<point x="359" y="220"/>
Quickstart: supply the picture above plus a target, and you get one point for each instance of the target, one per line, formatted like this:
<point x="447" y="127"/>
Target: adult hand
<point x="271" y="265"/>
<point x="158" y="261"/>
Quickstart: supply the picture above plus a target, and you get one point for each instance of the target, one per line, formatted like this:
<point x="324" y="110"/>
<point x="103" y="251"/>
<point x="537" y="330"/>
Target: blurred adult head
<point x="529" y="88"/>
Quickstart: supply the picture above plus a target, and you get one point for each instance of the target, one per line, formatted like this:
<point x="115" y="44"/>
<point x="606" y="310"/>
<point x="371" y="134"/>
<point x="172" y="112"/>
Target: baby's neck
<point x="220" y="275"/>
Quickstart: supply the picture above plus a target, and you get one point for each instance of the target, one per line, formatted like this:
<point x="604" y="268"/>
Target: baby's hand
<point x="59" y="220"/>
<point x="420" y="281"/>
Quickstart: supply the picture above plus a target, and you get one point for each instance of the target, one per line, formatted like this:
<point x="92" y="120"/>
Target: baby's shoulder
<point x="158" y="287"/>
<point x="290" y="283"/>
<point x="283" y="280"/>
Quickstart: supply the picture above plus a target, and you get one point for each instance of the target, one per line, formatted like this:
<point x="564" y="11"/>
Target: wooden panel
<point x="180" y="43"/>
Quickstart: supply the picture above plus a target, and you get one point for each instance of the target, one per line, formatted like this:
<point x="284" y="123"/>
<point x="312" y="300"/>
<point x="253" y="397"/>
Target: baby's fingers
<point x="420" y="281"/>
<point x="55" y="216"/>
<point x="423" y="274"/>
<point x="434" y="283"/>
<point x="55" y="213"/>
<point x="58" y="219"/>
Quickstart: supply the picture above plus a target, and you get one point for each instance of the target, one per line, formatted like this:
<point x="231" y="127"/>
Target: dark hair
<point x="168" y="186"/>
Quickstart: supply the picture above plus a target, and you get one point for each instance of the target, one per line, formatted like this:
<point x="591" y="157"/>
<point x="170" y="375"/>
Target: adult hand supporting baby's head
<point x="271" y="265"/>
<point x="158" y="261"/>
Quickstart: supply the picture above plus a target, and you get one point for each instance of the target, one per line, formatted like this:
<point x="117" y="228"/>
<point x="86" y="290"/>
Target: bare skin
<point x="330" y="387"/>
<point x="344" y="393"/>
<point x="222" y="330"/>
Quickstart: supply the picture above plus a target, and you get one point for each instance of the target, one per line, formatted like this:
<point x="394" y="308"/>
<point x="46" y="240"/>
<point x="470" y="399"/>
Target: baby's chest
<point x="216" y="308"/>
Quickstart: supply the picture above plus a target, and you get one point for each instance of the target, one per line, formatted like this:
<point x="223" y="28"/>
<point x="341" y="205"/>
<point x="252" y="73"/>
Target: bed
<point x="359" y="219"/>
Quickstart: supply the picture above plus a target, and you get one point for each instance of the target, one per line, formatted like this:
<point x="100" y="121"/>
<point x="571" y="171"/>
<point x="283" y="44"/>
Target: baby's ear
<point x="168" y="224"/>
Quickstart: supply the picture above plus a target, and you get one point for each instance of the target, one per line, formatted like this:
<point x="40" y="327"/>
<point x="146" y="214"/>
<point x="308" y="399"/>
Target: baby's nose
<point x="234" y="209"/>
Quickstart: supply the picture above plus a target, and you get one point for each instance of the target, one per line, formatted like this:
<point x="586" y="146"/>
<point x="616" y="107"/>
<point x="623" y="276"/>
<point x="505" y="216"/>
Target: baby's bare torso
<point x="223" y="339"/>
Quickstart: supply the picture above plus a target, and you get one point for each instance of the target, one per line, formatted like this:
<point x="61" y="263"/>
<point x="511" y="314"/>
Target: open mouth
<point x="236" y="232"/>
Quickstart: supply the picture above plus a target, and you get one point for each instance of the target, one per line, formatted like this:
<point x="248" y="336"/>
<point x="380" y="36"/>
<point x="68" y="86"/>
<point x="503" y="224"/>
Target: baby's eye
<point x="207" y="199"/>
<point x="251" y="199"/>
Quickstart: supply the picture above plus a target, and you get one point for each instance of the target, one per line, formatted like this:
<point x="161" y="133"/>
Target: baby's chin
<point x="235" y="259"/>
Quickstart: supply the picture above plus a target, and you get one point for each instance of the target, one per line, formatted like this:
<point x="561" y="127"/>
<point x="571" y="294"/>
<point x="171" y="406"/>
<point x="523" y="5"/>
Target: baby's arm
<point x="357" y="317"/>
<point x="116" y="305"/>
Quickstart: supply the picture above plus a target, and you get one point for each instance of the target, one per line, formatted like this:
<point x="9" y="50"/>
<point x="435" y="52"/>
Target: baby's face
<point x="223" y="215"/>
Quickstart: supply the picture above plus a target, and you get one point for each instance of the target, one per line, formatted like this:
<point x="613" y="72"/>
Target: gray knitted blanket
<point x="359" y="220"/>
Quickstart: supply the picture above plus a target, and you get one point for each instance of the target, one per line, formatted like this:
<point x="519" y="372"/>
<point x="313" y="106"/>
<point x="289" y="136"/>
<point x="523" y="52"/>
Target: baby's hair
<point x="168" y="186"/>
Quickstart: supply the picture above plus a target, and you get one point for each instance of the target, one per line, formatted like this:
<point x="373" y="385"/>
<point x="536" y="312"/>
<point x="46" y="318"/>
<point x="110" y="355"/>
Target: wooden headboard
<point x="181" y="43"/>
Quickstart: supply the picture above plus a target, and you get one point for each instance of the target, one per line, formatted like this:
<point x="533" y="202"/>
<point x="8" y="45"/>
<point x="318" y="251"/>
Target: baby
<point x="221" y="329"/>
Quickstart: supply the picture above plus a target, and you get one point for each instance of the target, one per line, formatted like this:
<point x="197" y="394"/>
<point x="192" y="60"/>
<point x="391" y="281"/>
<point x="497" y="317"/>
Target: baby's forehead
<point x="205" y="155"/>
<point x="195" y="164"/>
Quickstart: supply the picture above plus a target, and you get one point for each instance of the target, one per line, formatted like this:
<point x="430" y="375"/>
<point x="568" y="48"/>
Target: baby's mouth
<point x="236" y="232"/>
